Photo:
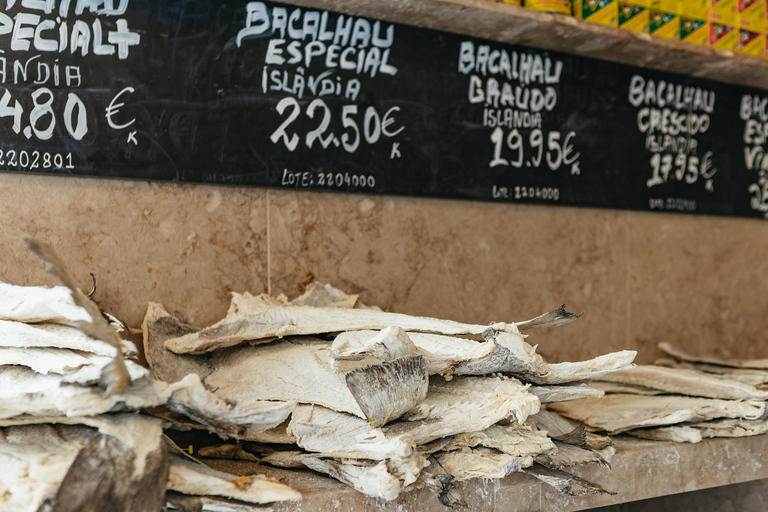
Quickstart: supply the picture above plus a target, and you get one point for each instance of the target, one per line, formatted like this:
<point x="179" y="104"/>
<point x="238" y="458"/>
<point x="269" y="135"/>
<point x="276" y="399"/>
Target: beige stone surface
<point x="185" y="246"/>
<point x="639" y="278"/>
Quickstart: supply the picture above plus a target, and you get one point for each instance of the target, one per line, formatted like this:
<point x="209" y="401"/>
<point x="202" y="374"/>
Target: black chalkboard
<point x="261" y="93"/>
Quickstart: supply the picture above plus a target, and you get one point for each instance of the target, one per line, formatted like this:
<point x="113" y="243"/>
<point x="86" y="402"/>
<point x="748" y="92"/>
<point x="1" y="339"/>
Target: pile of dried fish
<point x="72" y="435"/>
<point x="683" y="398"/>
<point x="387" y="402"/>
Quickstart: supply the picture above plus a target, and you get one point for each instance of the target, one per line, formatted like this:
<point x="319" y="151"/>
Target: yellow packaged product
<point x="724" y="12"/>
<point x="696" y="9"/>
<point x="751" y="43"/>
<point x="634" y="15"/>
<point x="694" y="30"/>
<point x="724" y="37"/>
<point x="752" y="15"/>
<point x="561" y="6"/>
<point x="665" y="18"/>
<point x="604" y="12"/>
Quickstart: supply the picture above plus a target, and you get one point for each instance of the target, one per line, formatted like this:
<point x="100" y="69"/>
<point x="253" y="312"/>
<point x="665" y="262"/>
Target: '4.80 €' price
<point x="42" y="119"/>
<point x="559" y="151"/>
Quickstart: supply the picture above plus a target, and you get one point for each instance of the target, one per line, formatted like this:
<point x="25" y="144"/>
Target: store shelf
<point x="639" y="470"/>
<point x="557" y="32"/>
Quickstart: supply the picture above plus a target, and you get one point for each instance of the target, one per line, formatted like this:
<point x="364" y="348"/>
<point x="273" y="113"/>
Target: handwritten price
<point x="681" y="167"/>
<point x="42" y="121"/>
<point x="558" y="152"/>
<point x="374" y="126"/>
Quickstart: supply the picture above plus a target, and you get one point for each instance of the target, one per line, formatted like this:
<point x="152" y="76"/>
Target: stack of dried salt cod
<point x="683" y="398"/>
<point x="71" y="435"/>
<point x="388" y="402"/>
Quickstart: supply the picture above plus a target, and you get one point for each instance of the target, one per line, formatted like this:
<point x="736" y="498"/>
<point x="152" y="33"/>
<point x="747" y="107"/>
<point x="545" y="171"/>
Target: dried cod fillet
<point x="386" y="391"/>
<point x="470" y="404"/>
<point x="325" y="296"/>
<point x="76" y="368"/>
<point x="21" y="335"/>
<point x="515" y="440"/>
<point x="695" y="432"/>
<point x="34" y="304"/>
<point x="371" y="479"/>
<point x="176" y="502"/>
<point x="568" y="455"/>
<point x="560" y="429"/>
<point x="281" y="371"/>
<point x="24" y="392"/>
<point x="686" y="382"/>
<point x="115" y="376"/>
<point x="618" y="387"/>
<point x="159" y="325"/>
<point x="275" y="435"/>
<point x="745" y="375"/>
<point x="565" y="482"/>
<point x="34" y="461"/>
<point x="340" y="435"/>
<point x="618" y="413"/>
<point x="480" y="463"/>
<point x="190" y="478"/>
<point x="562" y="393"/>
<point x="502" y="353"/>
<point x="253" y="318"/>
<point x="678" y="353"/>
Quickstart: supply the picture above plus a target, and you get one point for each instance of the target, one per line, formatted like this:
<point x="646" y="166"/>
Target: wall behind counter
<point x="639" y="277"/>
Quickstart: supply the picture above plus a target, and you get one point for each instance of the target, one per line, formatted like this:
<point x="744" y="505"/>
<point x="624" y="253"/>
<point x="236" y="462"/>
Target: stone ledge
<point x="639" y="470"/>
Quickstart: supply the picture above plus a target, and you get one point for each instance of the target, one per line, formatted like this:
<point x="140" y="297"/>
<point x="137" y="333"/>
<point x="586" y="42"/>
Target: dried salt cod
<point x="115" y="376"/>
<point x="326" y="296"/>
<point x="745" y="375"/>
<point x="386" y="391"/>
<point x="24" y="392"/>
<point x="565" y="482"/>
<point x="261" y="317"/>
<point x="567" y="455"/>
<point x="64" y="467"/>
<point x="75" y="368"/>
<point x="176" y="502"/>
<point x="503" y="353"/>
<point x="35" y="304"/>
<point x="620" y="412"/>
<point x="560" y="429"/>
<point x="618" y="387"/>
<point x="678" y="353"/>
<point x="562" y="393"/>
<point x="191" y="478"/>
<point x="159" y="325"/>
<point x="686" y="382"/>
<point x="480" y="462"/>
<point x="21" y="335"/>
<point x="695" y="432"/>
<point x="285" y="371"/>
<point x="519" y="441"/>
<point x="370" y="478"/>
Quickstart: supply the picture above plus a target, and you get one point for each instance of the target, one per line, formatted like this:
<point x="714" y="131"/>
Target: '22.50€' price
<point x="374" y="125"/>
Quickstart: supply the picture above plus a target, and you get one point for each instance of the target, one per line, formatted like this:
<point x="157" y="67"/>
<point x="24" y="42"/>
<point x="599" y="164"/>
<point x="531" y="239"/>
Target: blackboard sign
<point x="267" y="94"/>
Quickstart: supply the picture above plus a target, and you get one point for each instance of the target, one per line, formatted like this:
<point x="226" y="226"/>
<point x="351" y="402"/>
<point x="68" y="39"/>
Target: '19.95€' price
<point x="530" y="151"/>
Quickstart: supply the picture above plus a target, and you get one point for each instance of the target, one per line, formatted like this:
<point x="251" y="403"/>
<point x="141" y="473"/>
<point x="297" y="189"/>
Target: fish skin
<point x="115" y="377"/>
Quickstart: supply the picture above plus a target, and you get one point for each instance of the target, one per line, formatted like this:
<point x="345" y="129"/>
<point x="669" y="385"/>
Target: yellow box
<point x="724" y="12"/>
<point x="696" y="9"/>
<point x="664" y="24"/>
<point x="724" y="37"/>
<point x="694" y="30"/>
<point x="752" y="15"/>
<point x="604" y="12"/>
<point x="562" y="6"/>
<point x="751" y="43"/>
<point x="634" y="16"/>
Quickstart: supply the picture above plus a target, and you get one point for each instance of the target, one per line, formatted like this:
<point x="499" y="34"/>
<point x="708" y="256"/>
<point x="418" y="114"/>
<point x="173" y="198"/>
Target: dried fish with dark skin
<point x="565" y="482"/>
<point x="114" y="377"/>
